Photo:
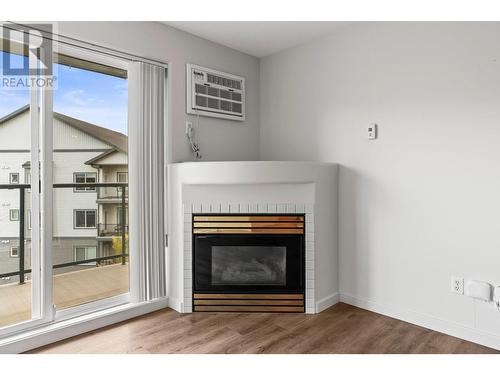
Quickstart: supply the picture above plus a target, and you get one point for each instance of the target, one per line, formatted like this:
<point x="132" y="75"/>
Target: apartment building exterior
<point x="86" y="220"/>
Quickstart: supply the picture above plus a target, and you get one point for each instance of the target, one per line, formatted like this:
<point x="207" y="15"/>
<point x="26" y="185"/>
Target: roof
<point x="99" y="157"/>
<point x="116" y="139"/>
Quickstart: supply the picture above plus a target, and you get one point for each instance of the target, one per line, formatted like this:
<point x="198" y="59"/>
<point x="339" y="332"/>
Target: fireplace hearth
<point x="252" y="263"/>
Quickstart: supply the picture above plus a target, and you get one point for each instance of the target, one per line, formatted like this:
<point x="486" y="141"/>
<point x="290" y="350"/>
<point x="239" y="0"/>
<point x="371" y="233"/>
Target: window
<point x="122" y="177"/>
<point x="85" y="252"/>
<point x="14" y="252"/>
<point x="13" y="178"/>
<point x="119" y="211"/>
<point x="84" y="178"/>
<point x="14" y="215"/>
<point x="85" y="218"/>
<point x="27" y="176"/>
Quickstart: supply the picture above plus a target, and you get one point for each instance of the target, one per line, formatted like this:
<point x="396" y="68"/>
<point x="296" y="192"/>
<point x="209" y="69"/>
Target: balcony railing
<point x="120" y="231"/>
<point x="106" y="230"/>
<point x="111" y="193"/>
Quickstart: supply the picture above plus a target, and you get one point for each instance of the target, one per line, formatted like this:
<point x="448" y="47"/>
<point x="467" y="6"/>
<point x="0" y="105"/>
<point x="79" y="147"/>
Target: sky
<point x="89" y="96"/>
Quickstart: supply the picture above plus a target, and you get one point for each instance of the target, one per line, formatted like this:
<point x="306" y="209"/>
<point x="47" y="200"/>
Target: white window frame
<point x="118" y="174"/>
<point x="27" y="218"/>
<point x="84" y="189"/>
<point x="12" y="249"/>
<point x="119" y="189"/>
<point x="27" y="176"/>
<point x="42" y="311"/>
<point x="11" y="177"/>
<point x="86" y="250"/>
<point x="86" y="211"/>
<point x="13" y="211"/>
<point x="100" y="58"/>
<point x="119" y="216"/>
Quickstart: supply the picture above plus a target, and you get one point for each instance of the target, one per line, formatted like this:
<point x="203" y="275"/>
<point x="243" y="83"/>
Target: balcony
<point x="110" y="195"/>
<point x="110" y="230"/>
<point x="70" y="289"/>
<point x="80" y="275"/>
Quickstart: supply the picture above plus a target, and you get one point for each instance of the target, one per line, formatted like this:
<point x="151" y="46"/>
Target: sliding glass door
<point x="20" y="261"/>
<point x="90" y="194"/>
<point x="63" y="182"/>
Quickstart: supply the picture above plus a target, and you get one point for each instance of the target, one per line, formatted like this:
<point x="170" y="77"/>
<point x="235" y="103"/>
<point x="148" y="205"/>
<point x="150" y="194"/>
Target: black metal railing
<point x="111" y="193"/>
<point x="106" y="229"/>
<point x="120" y="231"/>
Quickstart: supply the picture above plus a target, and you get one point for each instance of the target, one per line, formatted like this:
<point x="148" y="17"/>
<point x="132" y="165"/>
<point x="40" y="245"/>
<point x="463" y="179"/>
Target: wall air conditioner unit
<point x="215" y="94"/>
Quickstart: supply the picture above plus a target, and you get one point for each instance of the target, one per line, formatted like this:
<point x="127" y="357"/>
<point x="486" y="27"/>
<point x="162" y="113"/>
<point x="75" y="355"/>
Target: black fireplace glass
<point x="249" y="265"/>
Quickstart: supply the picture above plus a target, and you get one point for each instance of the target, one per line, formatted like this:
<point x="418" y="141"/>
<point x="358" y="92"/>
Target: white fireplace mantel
<point x="256" y="187"/>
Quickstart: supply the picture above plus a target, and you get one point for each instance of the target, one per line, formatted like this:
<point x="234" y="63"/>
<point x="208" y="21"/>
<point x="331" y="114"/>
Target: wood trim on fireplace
<point x="232" y="218"/>
<point x="249" y="302"/>
<point x="248" y="225"/>
<point x="235" y="224"/>
<point x="247" y="296"/>
<point x="248" y="231"/>
<point x="281" y="309"/>
<point x="211" y="302"/>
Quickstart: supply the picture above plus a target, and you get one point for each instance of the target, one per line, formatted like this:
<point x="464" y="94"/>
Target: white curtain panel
<point x="146" y="182"/>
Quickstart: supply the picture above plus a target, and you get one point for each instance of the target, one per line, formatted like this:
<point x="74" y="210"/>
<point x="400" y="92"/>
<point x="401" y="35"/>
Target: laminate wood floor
<point x="339" y="329"/>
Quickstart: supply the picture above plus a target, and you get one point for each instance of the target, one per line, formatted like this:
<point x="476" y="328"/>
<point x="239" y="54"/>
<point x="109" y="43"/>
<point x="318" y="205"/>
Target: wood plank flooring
<point x="339" y="329"/>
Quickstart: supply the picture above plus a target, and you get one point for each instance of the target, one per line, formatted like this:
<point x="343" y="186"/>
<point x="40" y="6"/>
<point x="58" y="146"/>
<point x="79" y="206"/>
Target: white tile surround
<point x="190" y="208"/>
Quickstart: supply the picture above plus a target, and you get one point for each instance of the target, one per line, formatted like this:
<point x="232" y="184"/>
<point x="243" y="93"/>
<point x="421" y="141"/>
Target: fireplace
<point x="248" y="263"/>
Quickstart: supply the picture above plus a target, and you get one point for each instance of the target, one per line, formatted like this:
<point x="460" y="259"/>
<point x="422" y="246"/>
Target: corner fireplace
<point x="248" y="263"/>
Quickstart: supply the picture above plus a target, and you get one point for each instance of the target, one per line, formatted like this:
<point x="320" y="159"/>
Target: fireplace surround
<point x="264" y="187"/>
<point x="253" y="262"/>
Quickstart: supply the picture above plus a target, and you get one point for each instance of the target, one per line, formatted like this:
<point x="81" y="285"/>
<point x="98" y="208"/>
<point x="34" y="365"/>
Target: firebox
<point x="252" y="263"/>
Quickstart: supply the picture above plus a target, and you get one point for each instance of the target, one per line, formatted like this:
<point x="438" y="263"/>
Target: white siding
<point x="69" y="138"/>
<point x="9" y="199"/>
<point x="66" y="200"/>
<point x="116" y="158"/>
<point x="15" y="133"/>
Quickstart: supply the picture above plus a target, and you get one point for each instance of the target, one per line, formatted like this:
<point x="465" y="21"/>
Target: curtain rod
<point x="58" y="38"/>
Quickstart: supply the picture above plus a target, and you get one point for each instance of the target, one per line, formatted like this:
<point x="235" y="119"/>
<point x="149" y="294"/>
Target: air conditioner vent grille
<point x="201" y="89"/>
<point x="215" y="94"/>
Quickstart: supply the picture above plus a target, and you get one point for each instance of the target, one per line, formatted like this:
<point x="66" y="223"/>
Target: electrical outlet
<point x="457" y="285"/>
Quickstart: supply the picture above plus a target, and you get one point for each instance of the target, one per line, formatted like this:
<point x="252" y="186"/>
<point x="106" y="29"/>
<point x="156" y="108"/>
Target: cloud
<point x="11" y="100"/>
<point x="78" y="97"/>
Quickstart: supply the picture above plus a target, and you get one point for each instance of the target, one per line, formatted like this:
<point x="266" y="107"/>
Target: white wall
<point x="218" y="139"/>
<point x="422" y="202"/>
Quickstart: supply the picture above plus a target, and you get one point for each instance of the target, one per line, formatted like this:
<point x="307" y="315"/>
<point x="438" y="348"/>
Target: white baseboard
<point x="76" y="326"/>
<point x="327" y="302"/>
<point x="176" y="304"/>
<point x="424" y="320"/>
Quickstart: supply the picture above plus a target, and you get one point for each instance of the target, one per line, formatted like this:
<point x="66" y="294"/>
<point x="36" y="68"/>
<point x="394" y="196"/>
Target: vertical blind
<point x="147" y="196"/>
